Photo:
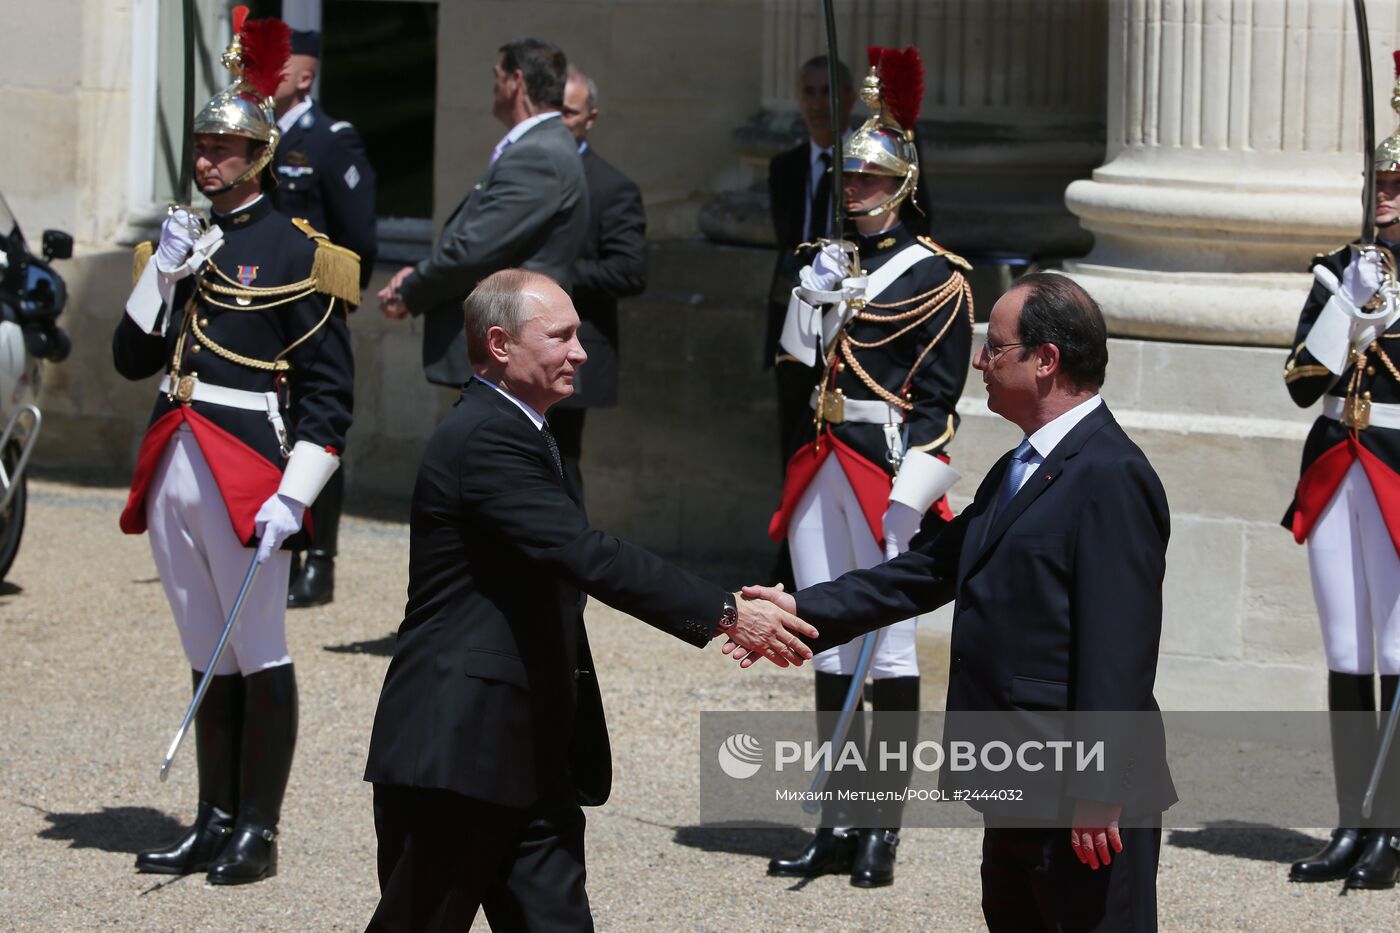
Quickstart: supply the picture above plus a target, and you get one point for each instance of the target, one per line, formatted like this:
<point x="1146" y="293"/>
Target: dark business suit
<point x="612" y="265"/>
<point x="529" y="211"/>
<point x="490" y="729"/>
<point x="1058" y="607"/>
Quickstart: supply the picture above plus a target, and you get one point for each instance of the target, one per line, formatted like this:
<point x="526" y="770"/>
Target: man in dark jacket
<point x="530" y="210"/>
<point x="490" y="732"/>
<point x="613" y="265"/>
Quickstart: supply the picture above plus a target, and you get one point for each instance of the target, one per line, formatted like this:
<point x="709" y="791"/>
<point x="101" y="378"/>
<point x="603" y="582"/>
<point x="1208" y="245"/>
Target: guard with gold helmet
<point x="888" y="317"/>
<point x="1347" y="510"/>
<point x="243" y="311"/>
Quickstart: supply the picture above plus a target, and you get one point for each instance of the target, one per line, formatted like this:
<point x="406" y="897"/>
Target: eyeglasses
<point x="991" y="352"/>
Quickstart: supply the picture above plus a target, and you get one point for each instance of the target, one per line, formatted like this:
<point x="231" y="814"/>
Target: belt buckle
<point x="1356" y="413"/>
<point x="833" y="407"/>
<point x="184" y="389"/>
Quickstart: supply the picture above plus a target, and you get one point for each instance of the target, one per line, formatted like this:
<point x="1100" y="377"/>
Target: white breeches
<point x="1356" y="580"/>
<point x="202" y="565"/>
<point x="827" y="536"/>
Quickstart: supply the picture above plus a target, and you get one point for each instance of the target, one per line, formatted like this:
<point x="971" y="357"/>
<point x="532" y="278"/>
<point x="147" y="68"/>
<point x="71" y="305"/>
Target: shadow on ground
<point x="380" y="647"/>
<point x="111" y="829"/>
<point x="764" y="842"/>
<point x="1255" y="841"/>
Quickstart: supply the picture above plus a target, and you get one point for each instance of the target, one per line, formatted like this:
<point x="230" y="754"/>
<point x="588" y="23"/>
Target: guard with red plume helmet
<point x="242" y="313"/>
<point x="256" y="58"/>
<point x="884" y="145"/>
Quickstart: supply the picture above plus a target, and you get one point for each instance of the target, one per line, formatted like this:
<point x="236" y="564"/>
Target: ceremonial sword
<point x="838" y="206"/>
<point x="208" y="675"/>
<point x="1368" y="240"/>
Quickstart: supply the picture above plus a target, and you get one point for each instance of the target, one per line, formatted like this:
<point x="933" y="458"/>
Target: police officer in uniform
<point x="245" y="314"/>
<point x="890" y="322"/>
<point x="1347" y="510"/>
<point x="323" y="177"/>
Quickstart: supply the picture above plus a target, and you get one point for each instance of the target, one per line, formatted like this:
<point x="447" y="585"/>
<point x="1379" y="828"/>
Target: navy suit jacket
<point x="1058" y="597"/>
<point x="492" y="692"/>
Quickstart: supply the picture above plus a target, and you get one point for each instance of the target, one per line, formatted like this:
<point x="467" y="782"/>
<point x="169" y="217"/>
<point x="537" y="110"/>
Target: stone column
<point x="1013" y="110"/>
<point x="1235" y="154"/>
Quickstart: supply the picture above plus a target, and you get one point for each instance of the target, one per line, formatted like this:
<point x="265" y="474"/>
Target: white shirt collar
<point x="519" y="130"/>
<point x="289" y="119"/>
<point x="1048" y="437"/>
<point x="535" y="417"/>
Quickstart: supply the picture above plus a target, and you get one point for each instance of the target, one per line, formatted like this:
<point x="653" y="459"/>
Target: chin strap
<point x="891" y="204"/>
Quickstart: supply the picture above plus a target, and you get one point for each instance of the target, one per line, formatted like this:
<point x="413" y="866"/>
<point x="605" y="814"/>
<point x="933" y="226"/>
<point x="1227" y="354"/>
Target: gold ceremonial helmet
<point x="1387" y="157"/>
<point x="256" y="57"/>
<point x="884" y="144"/>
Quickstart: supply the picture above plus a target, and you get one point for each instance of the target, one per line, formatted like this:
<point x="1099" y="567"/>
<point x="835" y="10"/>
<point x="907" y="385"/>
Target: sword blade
<point x="1369" y="800"/>
<point x="843" y="723"/>
<point x="187" y="136"/>
<point x="203" y="687"/>
<point x="1368" y="116"/>
<point x="838" y="193"/>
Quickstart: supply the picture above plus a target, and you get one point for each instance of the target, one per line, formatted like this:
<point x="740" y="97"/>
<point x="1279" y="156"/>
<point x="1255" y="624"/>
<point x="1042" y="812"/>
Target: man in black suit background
<point x="490" y="731"/>
<point x="612" y="265"/>
<point x="530" y="210"/>
<point x="1057" y="569"/>
<point x="324" y="177"/>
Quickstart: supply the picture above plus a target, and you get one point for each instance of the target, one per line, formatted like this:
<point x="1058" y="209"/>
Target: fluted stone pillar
<point x="1235" y="154"/>
<point x="1013" y="111"/>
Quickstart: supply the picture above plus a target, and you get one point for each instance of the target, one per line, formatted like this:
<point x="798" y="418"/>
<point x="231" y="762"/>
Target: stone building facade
<point x="1182" y="158"/>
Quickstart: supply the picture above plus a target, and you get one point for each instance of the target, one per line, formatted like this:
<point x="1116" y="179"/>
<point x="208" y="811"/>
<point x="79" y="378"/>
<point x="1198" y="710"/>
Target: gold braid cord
<point x="926" y="305"/>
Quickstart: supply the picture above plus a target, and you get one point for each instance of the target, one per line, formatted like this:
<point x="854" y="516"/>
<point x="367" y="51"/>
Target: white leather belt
<point x="1380" y="414"/>
<point x="190" y="389"/>
<point x="865" y="411"/>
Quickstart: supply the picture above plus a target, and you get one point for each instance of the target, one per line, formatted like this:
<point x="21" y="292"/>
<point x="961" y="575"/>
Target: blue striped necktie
<point x="1016" y="472"/>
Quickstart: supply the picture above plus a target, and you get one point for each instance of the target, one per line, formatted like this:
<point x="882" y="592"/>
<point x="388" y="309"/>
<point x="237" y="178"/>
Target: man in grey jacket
<point x="530" y="210"/>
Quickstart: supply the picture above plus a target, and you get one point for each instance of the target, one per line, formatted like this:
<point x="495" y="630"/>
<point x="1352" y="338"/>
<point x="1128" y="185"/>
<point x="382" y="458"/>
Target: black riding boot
<point x="1378" y="866"/>
<point x="217" y="725"/>
<point x="314" y="583"/>
<point x="269" y="736"/>
<point x="896" y="702"/>
<point x="1353" y="744"/>
<point x="832" y="848"/>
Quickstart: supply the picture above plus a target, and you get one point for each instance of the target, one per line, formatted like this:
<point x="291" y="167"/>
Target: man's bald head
<point x="522" y="334"/>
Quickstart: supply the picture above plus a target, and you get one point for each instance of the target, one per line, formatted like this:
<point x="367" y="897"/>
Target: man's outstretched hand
<point x="767" y="628"/>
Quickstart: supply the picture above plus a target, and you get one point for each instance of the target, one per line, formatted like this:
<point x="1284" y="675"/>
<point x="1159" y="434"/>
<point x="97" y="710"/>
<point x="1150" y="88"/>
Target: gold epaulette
<point x="335" y="269"/>
<point x="953" y="258"/>
<point x="140" y="255"/>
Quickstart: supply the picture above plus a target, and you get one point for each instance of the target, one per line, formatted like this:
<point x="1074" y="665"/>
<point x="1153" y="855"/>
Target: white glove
<point x="828" y="270"/>
<point x="277" y="520"/>
<point x="177" y="236"/>
<point x="1362" y="279"/>
<point x="901" y="523"/>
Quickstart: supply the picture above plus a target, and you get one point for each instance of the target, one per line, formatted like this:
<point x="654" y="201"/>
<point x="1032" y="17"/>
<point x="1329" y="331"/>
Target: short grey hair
<point x="497" y="301"/>
<point x="577" y="75"/>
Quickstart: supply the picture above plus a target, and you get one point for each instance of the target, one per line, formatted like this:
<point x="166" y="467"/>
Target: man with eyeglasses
<point x="1057" y="569"/>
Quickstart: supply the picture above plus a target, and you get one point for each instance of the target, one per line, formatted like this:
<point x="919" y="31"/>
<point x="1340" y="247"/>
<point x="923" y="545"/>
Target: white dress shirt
<point x="1048" y="437"/>
<point x="519" y="130"/>
<point x="533" y="415"/>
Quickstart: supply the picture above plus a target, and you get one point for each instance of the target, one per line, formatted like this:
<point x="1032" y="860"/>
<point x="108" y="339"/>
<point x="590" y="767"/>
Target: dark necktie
<point x="1016" y="470"/>
<point x="553" y="450"/>
<point x="821" y="202"/>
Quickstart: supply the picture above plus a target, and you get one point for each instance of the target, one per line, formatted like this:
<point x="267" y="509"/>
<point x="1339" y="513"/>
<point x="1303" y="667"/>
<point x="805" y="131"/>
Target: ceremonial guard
<point x="889" y="320"/>
<point x="244" y="312"/>
<point x="325" y="178"/>
<point x="1347" y="510"/>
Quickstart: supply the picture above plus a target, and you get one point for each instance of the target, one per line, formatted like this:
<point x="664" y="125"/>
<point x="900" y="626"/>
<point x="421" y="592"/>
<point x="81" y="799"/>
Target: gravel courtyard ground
<point x="92" y="685"/>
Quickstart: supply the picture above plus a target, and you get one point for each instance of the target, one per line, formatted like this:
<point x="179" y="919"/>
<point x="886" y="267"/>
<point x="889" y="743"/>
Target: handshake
<point x="767" y="627"/>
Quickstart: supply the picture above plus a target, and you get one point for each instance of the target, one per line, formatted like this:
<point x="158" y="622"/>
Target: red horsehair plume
<point x="267" y="44"/>
<point x="901" y="82"/>
<point x="1396" y="55"/>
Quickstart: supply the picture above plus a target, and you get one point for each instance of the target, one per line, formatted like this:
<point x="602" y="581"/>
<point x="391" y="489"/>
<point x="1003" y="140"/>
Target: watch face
<point x="728" y="616"/>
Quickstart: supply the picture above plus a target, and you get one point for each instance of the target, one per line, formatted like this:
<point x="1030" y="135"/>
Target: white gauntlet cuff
<point x="922" y="480"/>
<point x="307" y="473"/>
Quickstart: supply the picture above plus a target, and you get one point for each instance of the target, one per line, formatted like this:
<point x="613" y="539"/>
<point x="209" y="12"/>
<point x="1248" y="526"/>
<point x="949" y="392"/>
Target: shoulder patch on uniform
<point x="304" y="225"/>
<point x="140" y="255"/>
<point x="339" y="125"/>
<point x="953" y="258"/>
